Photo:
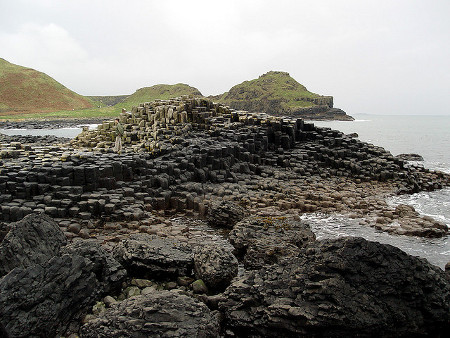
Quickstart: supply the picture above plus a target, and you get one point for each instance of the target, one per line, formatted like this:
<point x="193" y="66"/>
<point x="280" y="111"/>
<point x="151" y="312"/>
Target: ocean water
<point x="428" y="136"/>
<point x="69" y="132"/>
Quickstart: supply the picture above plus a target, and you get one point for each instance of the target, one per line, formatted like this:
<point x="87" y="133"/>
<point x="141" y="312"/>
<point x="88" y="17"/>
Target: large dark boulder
<point x="156" y="314"/>
<point x="109" y="272"/>
<point x="340" y="288"/>
<point x="151" y="256"/>
<point x="224" y="214"/>
<point x="42" y="299"/>
<point x="265" y="240"/>
<point x="33" y="240"/>
<point x="215" y="265"/>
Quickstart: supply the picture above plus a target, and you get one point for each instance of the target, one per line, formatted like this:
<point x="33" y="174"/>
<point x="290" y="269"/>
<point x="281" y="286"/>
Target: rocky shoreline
<point x="131" y="239"/>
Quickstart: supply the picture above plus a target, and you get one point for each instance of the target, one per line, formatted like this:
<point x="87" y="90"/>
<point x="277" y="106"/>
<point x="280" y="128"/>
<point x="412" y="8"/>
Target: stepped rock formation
<point x="137" y="245"/>
<point x="183" y="153"/>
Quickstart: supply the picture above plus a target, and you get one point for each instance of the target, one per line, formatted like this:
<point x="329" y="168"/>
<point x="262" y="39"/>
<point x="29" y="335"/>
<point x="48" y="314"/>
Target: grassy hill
<point x="25" y="90"/>
<point x="108" y="100"/>
<point x="160" y="91"/>
<point x="275" y="93"/>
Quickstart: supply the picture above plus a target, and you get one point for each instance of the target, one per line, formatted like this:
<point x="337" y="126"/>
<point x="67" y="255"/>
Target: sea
<point x="428" y="136"/>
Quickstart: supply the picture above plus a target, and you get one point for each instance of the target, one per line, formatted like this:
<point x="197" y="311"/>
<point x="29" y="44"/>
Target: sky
<point x="372" y="56"/>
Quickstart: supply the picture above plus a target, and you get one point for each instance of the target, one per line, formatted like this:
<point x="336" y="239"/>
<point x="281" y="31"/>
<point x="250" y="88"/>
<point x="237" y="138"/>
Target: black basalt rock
<point x="109" y="272"/>
<point x="340" y="288"/>
<point x="150" y="256"/>
<point x="262" y="240"/>
<point x="156" y="314"/>
<point x="215" y="265"/>
<point x="33" y="240"/>
<point x="224" y="214"/>
<point x="42" y="299"/>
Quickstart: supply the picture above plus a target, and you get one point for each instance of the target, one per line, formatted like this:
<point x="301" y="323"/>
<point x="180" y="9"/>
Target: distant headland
<point x="25" y="91"/>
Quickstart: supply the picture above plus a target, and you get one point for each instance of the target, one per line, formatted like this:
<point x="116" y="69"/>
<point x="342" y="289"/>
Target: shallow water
<point x="69" y="132"/>
<point x="435" y="250"/>
<point x="428" y="136"/>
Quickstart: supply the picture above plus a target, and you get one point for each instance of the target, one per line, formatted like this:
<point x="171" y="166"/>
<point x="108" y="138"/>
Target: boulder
<point x="33" y="240"/>
<point x="341" y="287"/>
<point x="108" y="270"/>
<point x="224" y="214"/>
<point x="264" y="240"/>
<point x="215" y="265"/>
<point x="151" y="256"/>
<point x="42" y="299"/>
<point x="156" y="314"/>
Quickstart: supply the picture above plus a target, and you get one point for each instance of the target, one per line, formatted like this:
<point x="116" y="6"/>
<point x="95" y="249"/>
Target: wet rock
<point x="109" y="272"/>
<point x="158" y="313"/>
<point x="41" y="299"/>
<point x="224" y="214"/>
<point x="215" y="265"/>
<point x="261" y="240"/>
<point x="409" y="157"/>
<point x="33" y="240"/>
<point x="341" y="287"/>
<point x="151" y="256"/>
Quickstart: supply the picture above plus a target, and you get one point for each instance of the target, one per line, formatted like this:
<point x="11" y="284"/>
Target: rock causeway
<point x="202" y="209"/>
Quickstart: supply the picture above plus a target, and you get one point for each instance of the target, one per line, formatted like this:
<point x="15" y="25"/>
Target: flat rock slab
<point x="156" y="314"/>
<point x="33" y="240"/>
<point x="337" y="288"/>
<point x="151" y="256"/>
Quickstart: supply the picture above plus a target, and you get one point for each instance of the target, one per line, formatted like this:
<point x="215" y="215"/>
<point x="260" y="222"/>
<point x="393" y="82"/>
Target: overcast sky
<point x="381" y="57"/>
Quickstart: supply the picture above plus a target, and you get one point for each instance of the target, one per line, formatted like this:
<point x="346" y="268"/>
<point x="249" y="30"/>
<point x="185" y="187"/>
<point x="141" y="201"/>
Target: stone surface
<point x="342" y="287"/>
<point x="215" y="265"/>
<point x="156" y="314"/>
<point x="261" y="240"/>
<point x="224" y="214"/>
<point x="150" y="256"/>
<point x="410" y="157"/>
<point x="41" y="300"/>
<point x="109" y="272"/>
<point x="33" y="240"/>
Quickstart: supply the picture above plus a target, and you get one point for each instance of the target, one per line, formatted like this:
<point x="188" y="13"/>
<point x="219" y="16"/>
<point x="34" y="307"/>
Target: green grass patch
<point x="160" y="91"/>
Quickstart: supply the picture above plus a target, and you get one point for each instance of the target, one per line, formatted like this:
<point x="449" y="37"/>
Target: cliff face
<point x="277" y="93"/>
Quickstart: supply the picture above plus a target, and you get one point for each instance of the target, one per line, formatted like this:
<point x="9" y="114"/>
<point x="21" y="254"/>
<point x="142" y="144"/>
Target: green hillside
<point x="160" y="91"/>
<point x="25" y="90"/>
<point x="108" y="100"/>
<point x="273" y="92"/>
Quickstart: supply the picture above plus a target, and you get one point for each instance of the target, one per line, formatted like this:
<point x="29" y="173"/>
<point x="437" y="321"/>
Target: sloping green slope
<point x="273" y="92"/>
<point x="160" y="91"/>
<point x="27" y="90"/>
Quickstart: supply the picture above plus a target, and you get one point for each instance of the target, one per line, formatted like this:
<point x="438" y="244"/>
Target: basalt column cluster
<point x="182" y="153"/>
